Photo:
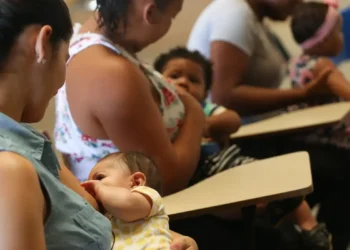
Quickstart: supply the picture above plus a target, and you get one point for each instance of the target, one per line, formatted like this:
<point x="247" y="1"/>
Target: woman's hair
<point x="307" y="18"/>
<point x="183" y="53"/>
<point x="113" y="14"/>
<point x="16" y="15"/>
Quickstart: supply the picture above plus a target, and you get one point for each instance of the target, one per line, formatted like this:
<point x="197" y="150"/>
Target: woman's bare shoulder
<point x="101" y="70"/>
<point x="22" y="194"/>
<point x="16" y="165"/>
<point x="17" y="174"/>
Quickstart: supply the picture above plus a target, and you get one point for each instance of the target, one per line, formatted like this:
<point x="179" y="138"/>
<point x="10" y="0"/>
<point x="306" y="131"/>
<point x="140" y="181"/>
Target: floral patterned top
<point x="300" y="70"/>
<point x="84" y="151"/>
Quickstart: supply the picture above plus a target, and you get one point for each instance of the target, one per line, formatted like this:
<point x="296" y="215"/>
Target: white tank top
<point x="84" y="151"/>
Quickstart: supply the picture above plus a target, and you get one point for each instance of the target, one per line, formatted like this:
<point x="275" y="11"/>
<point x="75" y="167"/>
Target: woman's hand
<point x="188" y="100"/>
<point x="183" y="243"/>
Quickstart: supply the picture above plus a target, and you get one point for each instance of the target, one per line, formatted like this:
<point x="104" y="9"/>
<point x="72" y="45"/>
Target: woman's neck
<point x="12" y="102"/>
<point x="91" y="25"/>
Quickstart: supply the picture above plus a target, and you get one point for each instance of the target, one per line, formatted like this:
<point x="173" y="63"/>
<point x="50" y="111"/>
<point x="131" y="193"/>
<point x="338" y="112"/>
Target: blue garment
<point x="345" y="54"/>
<point x="72" y="223"/>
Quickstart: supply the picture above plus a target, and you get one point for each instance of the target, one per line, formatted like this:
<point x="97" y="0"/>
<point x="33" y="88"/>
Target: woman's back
<point x="77" y="131"/>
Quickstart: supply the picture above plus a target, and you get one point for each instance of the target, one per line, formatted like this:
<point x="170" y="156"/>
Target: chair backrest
<point x="345" y="54"/>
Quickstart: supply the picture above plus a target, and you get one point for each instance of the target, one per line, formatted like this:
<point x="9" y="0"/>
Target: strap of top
<point x="83" y="41"/>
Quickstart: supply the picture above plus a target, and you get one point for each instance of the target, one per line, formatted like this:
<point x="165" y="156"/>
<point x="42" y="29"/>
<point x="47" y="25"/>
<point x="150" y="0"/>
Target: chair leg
<point x="248" y="214"/>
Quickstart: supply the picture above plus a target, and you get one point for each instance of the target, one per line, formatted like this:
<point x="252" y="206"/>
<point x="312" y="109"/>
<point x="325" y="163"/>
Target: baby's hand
<point x="92" y="187"/>
<point x="318" y="86"/>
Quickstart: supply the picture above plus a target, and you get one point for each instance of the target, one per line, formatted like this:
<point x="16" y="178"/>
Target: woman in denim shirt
<point x="42" y="204"/>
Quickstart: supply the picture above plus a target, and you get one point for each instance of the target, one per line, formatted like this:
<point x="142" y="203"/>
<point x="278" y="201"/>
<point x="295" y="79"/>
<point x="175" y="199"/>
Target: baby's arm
<point x="120" y="202"/>
<point x="339" y="85"/>
<point x="221" y="124"/>
<point x="225" y="123"/>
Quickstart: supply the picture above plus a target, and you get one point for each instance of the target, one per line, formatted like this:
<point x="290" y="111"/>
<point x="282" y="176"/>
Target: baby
<point x="127" y="186"/>
<point x="192" y="72"/>
<point x="317" y="28"/>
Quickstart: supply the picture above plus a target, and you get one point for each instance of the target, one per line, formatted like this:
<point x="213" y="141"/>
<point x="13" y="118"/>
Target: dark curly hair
<point x="195" y="56"/>
<point x="16" y="15"/>
<point x="113" y="14"/>
<point x="307" y="18"/>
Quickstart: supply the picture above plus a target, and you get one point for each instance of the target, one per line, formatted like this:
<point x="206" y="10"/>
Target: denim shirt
<point x="71" y="223"/>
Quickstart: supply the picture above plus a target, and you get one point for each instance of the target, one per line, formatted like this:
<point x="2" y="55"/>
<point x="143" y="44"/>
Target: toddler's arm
<point x="225" y="123"/>
<point x="220" y="125"/>
<point x="122" y="203"/>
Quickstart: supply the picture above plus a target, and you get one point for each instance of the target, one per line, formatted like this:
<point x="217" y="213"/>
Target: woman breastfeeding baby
<point x="320" y="37"/>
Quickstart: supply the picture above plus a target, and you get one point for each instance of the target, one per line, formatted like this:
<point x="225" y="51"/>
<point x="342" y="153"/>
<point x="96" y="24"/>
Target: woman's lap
<point x="214" y="233"/>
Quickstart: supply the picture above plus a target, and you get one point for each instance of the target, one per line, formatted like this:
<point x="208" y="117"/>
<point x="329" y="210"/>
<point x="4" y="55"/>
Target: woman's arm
<point x="339" y="85"/>
<point x="23" y="206"/>
<point x="132" y="120"/>
<point x="336" y="83"/>
<point x="230" y="64"/>
<point x="68" y="179"/>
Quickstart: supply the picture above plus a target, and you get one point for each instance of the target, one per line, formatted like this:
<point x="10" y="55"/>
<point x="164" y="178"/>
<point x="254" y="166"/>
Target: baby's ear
<point x="138" y="179"/>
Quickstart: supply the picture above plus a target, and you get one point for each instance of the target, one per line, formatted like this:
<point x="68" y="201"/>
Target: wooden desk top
<point x="295" y="121"/>
<point x="261" y="181"/>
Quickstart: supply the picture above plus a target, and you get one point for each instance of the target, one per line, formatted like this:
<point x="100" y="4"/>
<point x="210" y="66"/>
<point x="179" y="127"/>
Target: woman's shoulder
<point x="107" y="71"/>
<point x="121" y="76"/>
<point x="115" y="80"/>
<point x="14" y="164"/>
<point x="226" y="7"/>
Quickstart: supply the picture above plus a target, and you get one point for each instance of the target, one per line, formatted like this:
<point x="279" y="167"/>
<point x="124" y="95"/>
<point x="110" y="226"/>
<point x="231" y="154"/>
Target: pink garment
<point x="328" y="25"/>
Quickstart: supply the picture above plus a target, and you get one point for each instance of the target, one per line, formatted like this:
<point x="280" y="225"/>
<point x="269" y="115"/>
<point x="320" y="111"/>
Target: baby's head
<point x="317" y="28"/>
<point x="187" y="69"/>
<point x="127" y="170"/>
